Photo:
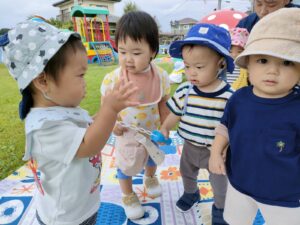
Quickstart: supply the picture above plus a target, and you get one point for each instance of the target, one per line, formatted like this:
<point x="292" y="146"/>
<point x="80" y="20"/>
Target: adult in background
<point x="261" y="9"/>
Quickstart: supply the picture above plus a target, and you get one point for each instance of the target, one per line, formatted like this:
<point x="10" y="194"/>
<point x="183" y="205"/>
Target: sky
<point x="163" y="10"/>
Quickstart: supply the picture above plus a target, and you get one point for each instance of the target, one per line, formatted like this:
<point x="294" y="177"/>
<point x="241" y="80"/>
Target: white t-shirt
<point x="71" y="185"/>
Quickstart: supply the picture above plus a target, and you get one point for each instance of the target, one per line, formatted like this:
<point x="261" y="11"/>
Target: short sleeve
<point x="108" y="82"/>
<point x="59" y="142"/>
<point x="225" y="118"/>
<point x="165" y="83"/>
<point x="175" y="103"/>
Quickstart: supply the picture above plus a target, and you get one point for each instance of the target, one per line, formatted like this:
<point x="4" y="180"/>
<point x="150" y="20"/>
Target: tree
<point x="62" y="25"/>
<point x="3" y="31"/>
<point x="130" y="7"/>
<point x="68" y="25"/>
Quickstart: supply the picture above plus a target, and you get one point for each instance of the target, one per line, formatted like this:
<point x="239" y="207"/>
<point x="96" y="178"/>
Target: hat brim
<point x="51" y="47"/>
<point x="175" y="50"/>
<point x="279" y="48"/>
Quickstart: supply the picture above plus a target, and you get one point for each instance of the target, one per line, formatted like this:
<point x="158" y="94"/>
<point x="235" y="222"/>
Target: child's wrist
<point x="215" y="153"/>
<point x="110" y="108"/>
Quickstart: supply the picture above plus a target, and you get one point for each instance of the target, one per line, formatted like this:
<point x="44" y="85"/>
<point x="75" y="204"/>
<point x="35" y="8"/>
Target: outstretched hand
<point x="119" y="97"/>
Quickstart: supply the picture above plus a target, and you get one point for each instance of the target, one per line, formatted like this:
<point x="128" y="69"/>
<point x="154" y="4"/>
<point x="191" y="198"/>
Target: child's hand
<point x="216" y="164"/>
<point x="164" y="132"/>
<point x="119" y="130"/>
<point x="119" y="97"/>
<point x="157" y="137"/>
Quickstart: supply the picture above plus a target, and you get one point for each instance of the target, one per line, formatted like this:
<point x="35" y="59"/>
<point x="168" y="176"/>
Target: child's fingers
<point x="216" y="167"/>
<point x="119" y="130"/>
<point x="165" y="133"/>
<point x="117" y="85"/>
<point x="129" y="92"/>
<point x="222" y="169"/>
<point x="124" y="86"/>
<point x="214" y="170"/>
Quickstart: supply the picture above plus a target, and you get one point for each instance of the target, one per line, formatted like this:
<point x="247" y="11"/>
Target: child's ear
<point x="222" y="63"/>
<point x="152" y="56"/>
<point x="41" y="82"/>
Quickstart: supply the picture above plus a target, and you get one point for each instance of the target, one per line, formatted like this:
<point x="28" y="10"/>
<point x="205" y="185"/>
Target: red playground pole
<point x="87" y="34"/>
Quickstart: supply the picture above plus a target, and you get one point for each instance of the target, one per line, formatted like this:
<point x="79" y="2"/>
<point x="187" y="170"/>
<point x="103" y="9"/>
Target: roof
<point x="187" y="21"/>
<point x="65" y="1"/>
<point x="80" y="11"/>
<point x="60" y="2"/>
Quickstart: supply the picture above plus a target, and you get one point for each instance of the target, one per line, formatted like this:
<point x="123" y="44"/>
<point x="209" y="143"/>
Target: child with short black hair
<point x="198" y="106"/>
<point x="49" y="66"/>
<point x="262" y="128"/>
<point x="138" y="43"/>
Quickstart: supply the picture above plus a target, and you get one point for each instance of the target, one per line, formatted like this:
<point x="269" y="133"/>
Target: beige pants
<point x="242" y="209"/>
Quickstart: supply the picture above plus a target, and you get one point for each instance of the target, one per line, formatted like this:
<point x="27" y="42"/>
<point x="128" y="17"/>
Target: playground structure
<point x="95" y="34"/>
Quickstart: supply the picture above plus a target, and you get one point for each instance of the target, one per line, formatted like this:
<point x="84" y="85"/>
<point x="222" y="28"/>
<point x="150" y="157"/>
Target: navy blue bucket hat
<point x="209" y="35"/>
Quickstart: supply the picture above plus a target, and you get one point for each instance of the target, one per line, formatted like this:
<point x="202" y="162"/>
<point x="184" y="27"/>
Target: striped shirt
<point x="202" y="114"/>
<point x="231" y="77"/>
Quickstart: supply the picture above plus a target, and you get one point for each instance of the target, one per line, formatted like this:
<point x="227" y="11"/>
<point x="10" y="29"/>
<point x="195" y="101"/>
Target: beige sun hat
<point x="277" y="34"/>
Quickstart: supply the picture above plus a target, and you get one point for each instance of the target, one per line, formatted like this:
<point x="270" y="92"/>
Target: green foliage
<point x="62" y="25"/>
<point x="12" y="138"/>
<point x="3" y="31"/>
<point x="129" y="7"/>
<point x="55" y="22"/>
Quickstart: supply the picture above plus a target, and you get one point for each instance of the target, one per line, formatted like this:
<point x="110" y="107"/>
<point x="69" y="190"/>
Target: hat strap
<point x="47" y="97"/>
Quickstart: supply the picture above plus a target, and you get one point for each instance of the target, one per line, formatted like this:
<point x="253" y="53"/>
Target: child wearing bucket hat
<point x="61" y="138"/>
<point x="261" y="124"/>
<point x="198" y="106"/>
<point x="239" y="37"/>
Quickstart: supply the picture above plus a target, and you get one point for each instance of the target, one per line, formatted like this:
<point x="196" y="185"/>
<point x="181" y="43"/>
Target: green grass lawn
<point x="12" y="139"/>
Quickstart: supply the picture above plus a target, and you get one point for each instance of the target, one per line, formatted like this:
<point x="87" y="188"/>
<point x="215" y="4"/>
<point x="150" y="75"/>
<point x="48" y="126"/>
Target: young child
<point x="49" y="66"/>
<point x="238" y="78"/>
<point x="198" y="106"/>
<point x="137" y="42"/>
<point x="262" y="120"/>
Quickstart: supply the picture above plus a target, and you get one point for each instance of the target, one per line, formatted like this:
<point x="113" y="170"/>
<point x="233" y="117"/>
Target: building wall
<point x="180" y="28"/>
<point x="65" y="8"/>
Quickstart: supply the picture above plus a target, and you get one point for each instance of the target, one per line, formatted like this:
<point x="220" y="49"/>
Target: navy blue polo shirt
<point x="263" y="160"/>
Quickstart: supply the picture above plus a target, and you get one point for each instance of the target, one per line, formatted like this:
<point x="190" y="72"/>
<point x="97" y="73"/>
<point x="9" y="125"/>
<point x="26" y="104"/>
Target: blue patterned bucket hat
<point x="29" y="46"/>
<point x="209" y="35"/>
